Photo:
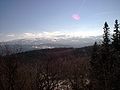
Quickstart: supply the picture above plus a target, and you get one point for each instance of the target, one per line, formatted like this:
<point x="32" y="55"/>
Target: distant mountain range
<point x="41" y="43"/>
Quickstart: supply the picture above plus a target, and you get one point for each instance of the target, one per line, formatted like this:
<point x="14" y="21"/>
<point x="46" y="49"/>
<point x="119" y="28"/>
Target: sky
<point x="54" y="18"/>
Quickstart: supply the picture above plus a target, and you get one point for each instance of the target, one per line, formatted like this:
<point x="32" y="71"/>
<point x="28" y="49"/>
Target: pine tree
<point x="116" y="36"/>
<point x="105" y="61"/>
<point x="101" y="62"/>
<point x="116" y="55"/>
<point x="106" y="39"/>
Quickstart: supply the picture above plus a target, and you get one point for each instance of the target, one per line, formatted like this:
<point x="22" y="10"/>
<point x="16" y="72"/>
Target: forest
<point x="89" y="68"/>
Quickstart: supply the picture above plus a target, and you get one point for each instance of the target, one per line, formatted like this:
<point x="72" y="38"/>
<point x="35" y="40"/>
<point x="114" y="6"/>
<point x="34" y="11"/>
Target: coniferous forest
<point x="105" y="60"/>
<point x="94" y="67"/>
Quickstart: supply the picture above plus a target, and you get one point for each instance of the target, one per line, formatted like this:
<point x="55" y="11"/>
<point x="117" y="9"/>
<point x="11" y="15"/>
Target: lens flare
<point x="76" y="16"/>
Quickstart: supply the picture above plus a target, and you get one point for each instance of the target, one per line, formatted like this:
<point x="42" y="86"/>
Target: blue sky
<point x="38" y="18"/>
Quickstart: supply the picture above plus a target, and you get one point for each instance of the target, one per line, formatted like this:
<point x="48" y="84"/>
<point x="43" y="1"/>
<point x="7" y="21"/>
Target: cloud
<point x="29" y="35"/>
<point x="10" y="35"/>
<point x="76" y="16"/>
<point x="65" y="34"/>
<point x="60" y="35"/>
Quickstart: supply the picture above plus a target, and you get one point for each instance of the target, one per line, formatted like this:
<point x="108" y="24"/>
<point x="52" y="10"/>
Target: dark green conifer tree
<point x="106" y="39"/>
<point x="116" y="36"/>
<point x="116" y="56"/>
<point x="101" y="62"/>
<point x="105" y="60"/>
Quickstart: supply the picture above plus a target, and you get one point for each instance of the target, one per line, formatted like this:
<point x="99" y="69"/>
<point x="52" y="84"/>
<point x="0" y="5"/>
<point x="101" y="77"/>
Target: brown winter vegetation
<point x="49" y="69"/>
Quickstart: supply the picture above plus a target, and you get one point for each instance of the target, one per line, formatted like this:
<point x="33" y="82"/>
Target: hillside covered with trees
<point x="89" y="68"/>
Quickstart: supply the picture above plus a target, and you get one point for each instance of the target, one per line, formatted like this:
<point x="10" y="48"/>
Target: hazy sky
<point x="41" y="18"/>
